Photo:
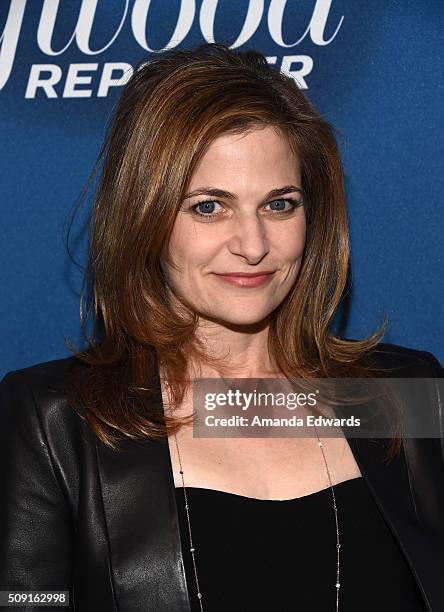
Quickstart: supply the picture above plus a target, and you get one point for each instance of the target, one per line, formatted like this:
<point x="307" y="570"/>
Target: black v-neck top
<point x="270" y="555"/>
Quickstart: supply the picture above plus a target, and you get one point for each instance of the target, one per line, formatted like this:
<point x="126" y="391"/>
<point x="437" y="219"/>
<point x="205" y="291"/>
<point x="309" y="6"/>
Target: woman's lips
<point x="246" y="280"/>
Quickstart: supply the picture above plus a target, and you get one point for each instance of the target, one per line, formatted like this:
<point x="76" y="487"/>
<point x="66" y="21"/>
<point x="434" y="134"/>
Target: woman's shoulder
<point x="404" y="362"/>
<point x="44" y="373"/>
<point x="37" y="394"/>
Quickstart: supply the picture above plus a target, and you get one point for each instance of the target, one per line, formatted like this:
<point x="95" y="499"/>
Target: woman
<point x="218" y="247"/>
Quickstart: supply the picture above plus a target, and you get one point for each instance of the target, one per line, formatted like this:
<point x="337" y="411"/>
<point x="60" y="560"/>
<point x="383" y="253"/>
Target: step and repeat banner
<point x="371" y="67"/>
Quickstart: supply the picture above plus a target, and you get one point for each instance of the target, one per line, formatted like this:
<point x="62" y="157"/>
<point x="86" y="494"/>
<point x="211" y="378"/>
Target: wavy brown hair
<point x="169" y="112"/>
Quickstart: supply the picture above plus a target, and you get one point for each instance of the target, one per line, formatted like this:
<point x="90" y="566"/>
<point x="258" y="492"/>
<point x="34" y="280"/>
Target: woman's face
<point x="242" y="214"/>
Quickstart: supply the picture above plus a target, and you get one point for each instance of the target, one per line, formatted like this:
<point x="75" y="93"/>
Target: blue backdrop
<point x="371" y="68"/>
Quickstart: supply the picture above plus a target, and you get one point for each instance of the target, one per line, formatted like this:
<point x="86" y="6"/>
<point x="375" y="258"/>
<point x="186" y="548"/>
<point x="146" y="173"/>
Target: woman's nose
<point x="249" y="238"/>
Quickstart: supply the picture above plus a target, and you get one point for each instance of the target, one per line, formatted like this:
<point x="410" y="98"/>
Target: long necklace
<point x="193" y="549"/>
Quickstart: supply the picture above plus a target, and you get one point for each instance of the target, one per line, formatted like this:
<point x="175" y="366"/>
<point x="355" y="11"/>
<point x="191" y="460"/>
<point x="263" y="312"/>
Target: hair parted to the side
<point x="169" y="112"/>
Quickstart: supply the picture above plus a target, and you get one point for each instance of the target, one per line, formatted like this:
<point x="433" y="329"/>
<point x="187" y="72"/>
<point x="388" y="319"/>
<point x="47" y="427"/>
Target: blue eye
<point x="281" y="205"/>
<point x="205" y="208"/>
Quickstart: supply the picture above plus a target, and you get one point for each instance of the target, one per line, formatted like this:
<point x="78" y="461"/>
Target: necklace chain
<point x="193" y="549"/>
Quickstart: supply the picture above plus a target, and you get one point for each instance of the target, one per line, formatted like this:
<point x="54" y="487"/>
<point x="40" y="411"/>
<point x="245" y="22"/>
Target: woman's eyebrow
<point x="220" y="193"/>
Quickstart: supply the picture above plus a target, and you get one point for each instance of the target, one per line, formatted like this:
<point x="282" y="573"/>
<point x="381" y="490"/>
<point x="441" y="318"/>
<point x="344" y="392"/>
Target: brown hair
<point x="171" y="109"/>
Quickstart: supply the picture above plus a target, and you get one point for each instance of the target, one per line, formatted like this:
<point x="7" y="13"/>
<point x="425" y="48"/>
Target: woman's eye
<point x="206" y="209"/>
<point x="283" y="205"/>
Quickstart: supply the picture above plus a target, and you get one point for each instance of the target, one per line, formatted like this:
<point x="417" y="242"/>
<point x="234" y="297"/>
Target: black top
<point x="272" y="555"/>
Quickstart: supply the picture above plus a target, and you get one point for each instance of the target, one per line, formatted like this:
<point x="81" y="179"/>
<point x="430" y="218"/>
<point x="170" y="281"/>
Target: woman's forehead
<point x="263" y="155"/>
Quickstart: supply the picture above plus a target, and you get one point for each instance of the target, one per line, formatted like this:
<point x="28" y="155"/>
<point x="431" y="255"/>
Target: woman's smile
<point x="246" y="280"/>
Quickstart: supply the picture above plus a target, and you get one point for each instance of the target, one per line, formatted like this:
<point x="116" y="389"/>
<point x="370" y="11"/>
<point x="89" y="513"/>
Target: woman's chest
<point x="272" y="468"/>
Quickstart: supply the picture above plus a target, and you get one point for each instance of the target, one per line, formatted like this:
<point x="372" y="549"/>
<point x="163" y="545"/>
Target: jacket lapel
<point x="142" y="523"/>
<point x="396" y="487"/>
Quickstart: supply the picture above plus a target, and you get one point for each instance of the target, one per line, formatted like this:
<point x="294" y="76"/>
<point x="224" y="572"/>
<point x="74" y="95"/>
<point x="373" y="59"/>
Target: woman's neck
<point x="242" y="353"/>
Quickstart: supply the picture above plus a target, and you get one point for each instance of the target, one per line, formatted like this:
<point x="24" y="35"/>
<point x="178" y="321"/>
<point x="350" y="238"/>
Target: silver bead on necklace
<point x="193" y="549"/>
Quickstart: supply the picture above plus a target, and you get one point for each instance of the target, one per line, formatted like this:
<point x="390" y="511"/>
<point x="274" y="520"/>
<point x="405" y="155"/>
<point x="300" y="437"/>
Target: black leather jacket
<point x="74" y="515"/>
